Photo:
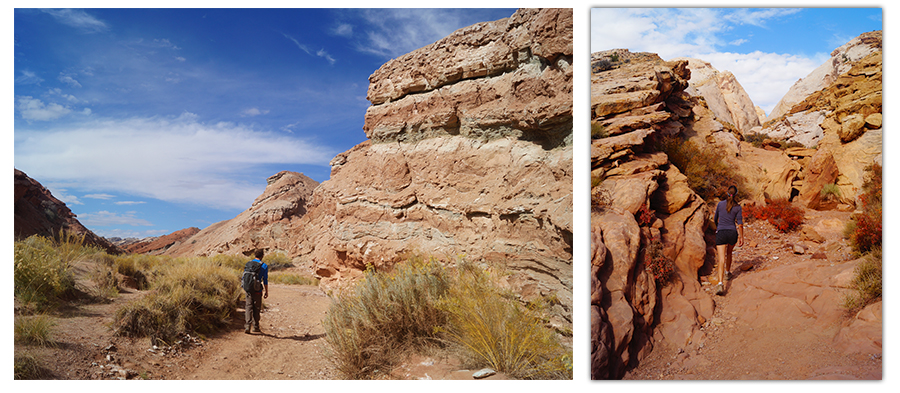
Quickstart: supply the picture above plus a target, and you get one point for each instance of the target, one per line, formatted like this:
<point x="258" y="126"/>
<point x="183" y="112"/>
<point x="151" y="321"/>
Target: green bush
<point x="190" y="295"/>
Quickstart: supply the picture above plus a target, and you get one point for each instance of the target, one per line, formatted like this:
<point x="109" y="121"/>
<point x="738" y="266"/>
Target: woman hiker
<point x="729" y="232"/>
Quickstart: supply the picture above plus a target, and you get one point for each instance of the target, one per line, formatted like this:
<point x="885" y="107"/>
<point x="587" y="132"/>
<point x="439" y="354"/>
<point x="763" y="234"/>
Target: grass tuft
<point x="35" y="330"/>
<point x="866" y="282"/>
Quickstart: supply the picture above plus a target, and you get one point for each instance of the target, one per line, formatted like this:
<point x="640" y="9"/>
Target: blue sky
<point x="147" y="121"/>
<point x="768" y="50"/>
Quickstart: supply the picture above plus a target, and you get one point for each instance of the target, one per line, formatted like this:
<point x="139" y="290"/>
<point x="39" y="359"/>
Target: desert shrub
<point x="866" y="282"/>
<point x="106" y="284"/>
<point x="191" y="295"/>
<point x="34" y="329"/>
<point x="292" y="279"/>
<point x="139" y="267"/>
<point x="660" y="266"/>
<point x="830" y="190"/>
<point x="384" y="315"/>
<point x="493" y="331"/>
<point x="600" y="199"/>
<point x="420" y="304"/>
<point x="598" y="131"/>
<point x="644" y="216"/>
<point x="755" y="138"/>
<point x="27" y="366"/>
<point x="784" y="216"/>
<point x="42" y="268"/>
<point x="601" y="65"/>
<point x="277" y="261"/>
<point x="864" y="229"/>
<point x="706" y="170"/>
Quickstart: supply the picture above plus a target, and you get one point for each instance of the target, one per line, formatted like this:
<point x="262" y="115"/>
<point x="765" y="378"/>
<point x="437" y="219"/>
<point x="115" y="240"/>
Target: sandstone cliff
<point x="838" y="110"/>
<point x="637" y="100"/>
<point x="470" y="152"/>
<point x="158" y="244"/>
<point x="38" y="212"/>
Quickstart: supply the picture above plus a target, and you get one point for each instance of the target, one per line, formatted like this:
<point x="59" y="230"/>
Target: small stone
<point x="483" y="373"/>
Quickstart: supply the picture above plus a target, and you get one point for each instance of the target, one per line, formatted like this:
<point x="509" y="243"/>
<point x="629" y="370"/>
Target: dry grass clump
<point x="34" y="329"/>
<point x="492" y="330"/>
<point x="191" y="295"/>
<point x="42" y="268"/>
<point x="292" y="279"/>
<point x="385" y="315"/>
<point x="27" y="366"/>
<point x="421" y="304"/>
<point x="706" y="170"/>
<point x="866" y="283"/>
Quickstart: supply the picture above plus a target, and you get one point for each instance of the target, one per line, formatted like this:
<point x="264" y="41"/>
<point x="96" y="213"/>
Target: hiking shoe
<point x="247" y="330"/>
<point x="256" y="329"/>
<point x="720" y="289"/>
<point x="728" y="275"/>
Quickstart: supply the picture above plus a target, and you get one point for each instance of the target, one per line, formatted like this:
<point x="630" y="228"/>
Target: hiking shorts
<point x="726" y="236"/>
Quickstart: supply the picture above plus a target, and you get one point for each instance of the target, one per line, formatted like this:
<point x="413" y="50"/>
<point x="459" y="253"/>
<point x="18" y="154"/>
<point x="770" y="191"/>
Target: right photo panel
<point x="736" y="180"/>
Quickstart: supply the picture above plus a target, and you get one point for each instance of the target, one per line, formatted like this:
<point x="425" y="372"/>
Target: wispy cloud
<point x="68" y="80"/>
<point x="78" y="19"/>
<point x="175" y="160"/>
<point x="105" y="218"/>
<point x="758" y="17"/>
<point x="100" y="196"/>
<point x="28" y="78"/>
<point x="320" y="53"/>
<point x="343" y="30"/>
<point x="130" y="202"/>
<point x="253" y="112"/>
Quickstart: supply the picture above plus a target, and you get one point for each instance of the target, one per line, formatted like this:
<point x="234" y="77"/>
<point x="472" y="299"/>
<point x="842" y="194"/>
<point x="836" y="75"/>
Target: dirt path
<point x="781" y="317"/>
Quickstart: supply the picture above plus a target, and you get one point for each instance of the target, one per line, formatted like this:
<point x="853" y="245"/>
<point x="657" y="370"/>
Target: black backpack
<point x="250" y="279"/>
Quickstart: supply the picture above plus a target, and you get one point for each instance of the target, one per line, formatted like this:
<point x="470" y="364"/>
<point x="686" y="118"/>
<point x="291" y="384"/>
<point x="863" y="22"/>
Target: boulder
<point x="821" y="171"/>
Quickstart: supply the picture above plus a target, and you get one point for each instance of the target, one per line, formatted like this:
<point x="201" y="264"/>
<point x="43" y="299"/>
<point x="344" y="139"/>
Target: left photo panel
<point x="276" y="194"/>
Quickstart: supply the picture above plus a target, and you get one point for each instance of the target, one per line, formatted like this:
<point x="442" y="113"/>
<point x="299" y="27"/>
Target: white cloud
<point x="104" y="218"/>
<point x="78" y="19"/>
<point x="181" y="59"/>
<point x="57" y="91"/>
<point x="130" y="203"/>
<point x="343" y="30"/>
<point x="100" y="196"/>
<point x="175" y="160"/>
<point x="34" y="109"/>
<point x="757" y="17"/>
<point x="254" y="112"/>
<point x="320" y="53"/>
<point x="62" y="195"/>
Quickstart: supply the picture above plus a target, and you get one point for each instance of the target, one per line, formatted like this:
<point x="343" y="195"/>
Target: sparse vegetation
<point x="34" y="329"/>
<point x="830" y="191"/>
<point x="188" y="295"/>
<point x="421" y="304"/>
<point x="42" y="269"/>
<point x="866" y="283"/>
<point x="707" y="172"/>
<point x="780" y="213"/>
<point x="660" y="266"/>
<point x="292" y="279"/>
<point x="864" y="229"/>
<point x="27" y="366"/>
<point x="598" y="131"/>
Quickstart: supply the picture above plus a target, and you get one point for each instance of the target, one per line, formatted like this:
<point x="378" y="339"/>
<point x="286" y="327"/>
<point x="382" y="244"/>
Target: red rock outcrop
<point x="38" y="212"/>
<point x="160" y="244"/>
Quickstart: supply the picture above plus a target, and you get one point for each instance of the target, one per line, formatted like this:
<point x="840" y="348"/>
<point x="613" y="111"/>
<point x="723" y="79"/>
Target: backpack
<point x="250" y="281"/>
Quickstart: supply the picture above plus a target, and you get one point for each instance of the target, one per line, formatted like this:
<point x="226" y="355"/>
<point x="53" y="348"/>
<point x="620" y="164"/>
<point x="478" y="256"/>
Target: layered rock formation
<point x="38" y="212"/>
<point x="267" y="224"/>
<point x="469" y="153"/>
<point x="838" y="108"/>
<point x="630" y="179"/>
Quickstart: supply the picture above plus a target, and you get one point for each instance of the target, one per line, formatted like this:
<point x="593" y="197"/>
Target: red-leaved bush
<point x="656" y="262"/>
<point x="865" y="228"/>
<point x="780" y="213"/>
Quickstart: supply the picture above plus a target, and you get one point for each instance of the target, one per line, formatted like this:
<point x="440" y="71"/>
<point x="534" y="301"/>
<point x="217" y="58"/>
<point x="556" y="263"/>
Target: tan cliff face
<point x="469" y="154"/>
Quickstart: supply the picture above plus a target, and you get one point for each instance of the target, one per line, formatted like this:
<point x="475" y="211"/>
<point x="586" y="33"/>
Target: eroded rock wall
<point x="469" y="152"/>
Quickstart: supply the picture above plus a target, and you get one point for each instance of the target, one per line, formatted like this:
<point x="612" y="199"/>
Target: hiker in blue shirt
<point x="260" y="270"/>
<point x="729" y="232"/>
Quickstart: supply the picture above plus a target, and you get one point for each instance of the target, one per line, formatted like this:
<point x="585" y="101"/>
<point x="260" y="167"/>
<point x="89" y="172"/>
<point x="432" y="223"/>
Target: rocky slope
<point x="469" y="153"/>
<point x="38" y="212"/>
<point x="157" y="244"/>
<point x="266" y="224"/>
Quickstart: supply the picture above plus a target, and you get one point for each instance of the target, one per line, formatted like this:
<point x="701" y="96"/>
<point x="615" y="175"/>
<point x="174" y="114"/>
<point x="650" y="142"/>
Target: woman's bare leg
<point x="721" y="251"/>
